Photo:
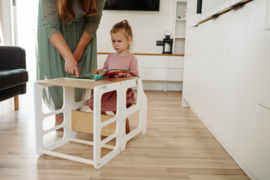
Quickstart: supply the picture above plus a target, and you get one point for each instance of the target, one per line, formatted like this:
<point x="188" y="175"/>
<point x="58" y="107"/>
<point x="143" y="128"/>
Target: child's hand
<point x="121" y="75"/>
<point x="98" y="71"/>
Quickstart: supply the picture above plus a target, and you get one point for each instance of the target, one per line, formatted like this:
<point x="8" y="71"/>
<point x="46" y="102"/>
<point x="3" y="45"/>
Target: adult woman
<point x="66" y="44"/>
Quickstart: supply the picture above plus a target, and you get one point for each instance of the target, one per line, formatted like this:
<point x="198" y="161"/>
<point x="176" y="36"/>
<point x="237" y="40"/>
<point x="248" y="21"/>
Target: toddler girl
<point x="121" y="35"/>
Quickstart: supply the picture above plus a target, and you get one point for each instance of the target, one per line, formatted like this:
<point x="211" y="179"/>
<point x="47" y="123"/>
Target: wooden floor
<point x="177" y="146"/>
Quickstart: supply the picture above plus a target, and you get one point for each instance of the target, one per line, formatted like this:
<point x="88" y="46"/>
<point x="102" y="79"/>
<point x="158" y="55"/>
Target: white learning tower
<point x="100" y="87"/>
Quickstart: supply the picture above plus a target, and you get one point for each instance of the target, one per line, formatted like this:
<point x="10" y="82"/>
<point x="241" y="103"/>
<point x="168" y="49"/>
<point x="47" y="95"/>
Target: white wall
<point x="148" y="27"/>
<point x="6" y="21"/>
<point x="2" y="40"/>
<point x="1" y="10"/>
<point x="222" y="77"/>
<point x="27" y="33"/>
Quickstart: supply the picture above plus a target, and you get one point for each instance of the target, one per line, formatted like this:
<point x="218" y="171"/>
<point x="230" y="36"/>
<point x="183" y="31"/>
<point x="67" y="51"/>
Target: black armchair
<point x="13" y="74"/>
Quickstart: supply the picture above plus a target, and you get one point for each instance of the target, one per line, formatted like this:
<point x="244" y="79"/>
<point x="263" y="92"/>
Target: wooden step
<point x="83" y="122"/>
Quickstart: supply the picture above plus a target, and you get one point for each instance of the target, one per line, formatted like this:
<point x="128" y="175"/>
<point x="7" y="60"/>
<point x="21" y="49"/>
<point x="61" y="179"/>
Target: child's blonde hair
<point x="125" y="27"/>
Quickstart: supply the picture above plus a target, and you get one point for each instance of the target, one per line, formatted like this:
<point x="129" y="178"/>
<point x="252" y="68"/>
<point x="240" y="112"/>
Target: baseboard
<point x="231" y="153"/>
<point x="160" y="86"/>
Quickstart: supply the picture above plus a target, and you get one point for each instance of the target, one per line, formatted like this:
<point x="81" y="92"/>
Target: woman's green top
<point x="50" y="64"/>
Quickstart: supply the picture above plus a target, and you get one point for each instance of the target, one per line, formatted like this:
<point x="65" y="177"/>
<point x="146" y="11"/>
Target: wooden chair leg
<point x="16" y="103"/>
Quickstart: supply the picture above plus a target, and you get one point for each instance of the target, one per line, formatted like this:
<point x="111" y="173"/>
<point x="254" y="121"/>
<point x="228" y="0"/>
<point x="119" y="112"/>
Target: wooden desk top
<point x="81" y="83"/>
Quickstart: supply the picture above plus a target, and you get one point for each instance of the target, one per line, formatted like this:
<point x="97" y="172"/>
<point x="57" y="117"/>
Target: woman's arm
<point x="51" y="24"/>
<point x="94" y="21"/>
<point x="78" y="52"/>
<point x="90" y="30"/>
<point x="71" y="65"/>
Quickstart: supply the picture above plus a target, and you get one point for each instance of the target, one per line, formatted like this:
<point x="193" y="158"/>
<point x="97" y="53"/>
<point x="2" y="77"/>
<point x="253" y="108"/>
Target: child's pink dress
<point x="108" y="100"/>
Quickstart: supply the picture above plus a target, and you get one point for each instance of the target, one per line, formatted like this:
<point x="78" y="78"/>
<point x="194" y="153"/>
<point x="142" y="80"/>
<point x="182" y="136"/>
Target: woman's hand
<point x="121" y="75"/>
<point x="77" y="53"/>
<point x="98" y="71"/>
<point x="71" y="67"/>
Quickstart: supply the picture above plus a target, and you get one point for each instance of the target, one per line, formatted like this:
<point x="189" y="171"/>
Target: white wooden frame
<point x="69" y="105"/>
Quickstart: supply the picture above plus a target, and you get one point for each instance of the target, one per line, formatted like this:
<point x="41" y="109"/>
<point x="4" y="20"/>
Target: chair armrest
<point x="12" y="57"/>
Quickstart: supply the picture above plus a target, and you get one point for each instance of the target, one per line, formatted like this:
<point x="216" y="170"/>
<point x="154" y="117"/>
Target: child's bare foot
<point x="127" y="126"/>
<point x="59" y="120"/>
